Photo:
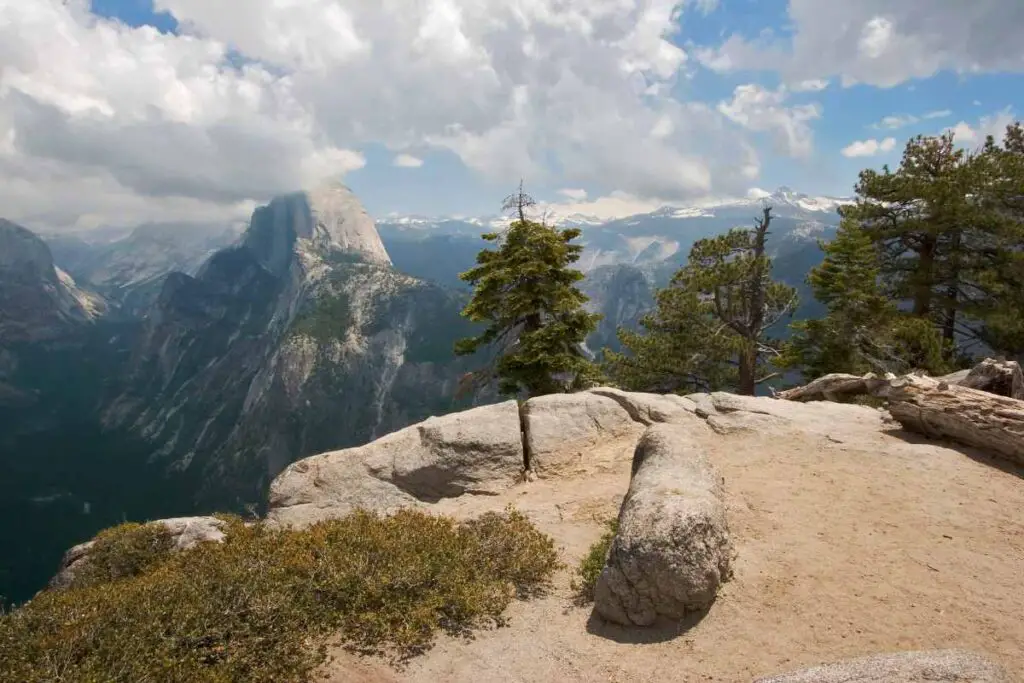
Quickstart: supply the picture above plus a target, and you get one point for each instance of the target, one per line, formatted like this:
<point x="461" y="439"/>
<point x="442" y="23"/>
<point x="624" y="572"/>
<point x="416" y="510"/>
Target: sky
<point x="119" y="112"/>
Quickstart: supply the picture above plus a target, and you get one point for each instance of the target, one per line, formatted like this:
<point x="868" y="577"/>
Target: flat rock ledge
<point x="672" y="550"/>
<point x="925" y="666"/>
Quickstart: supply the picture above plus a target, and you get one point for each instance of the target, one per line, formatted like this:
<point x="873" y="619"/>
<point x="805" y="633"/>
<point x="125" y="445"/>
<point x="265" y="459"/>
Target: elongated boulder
<point x="185" y="532"/>
<point x="902" y="667"/>
<point x="477" y="451"/>
<point x="672" y="550"/>
<point x="565" y="432"/>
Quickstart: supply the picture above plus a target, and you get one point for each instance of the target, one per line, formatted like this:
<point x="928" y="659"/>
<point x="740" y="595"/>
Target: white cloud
<point x="810" y="85"/>
<point x="902" y="120"/>
<point x="896" y="121"/>
<point x="968" y="135"/>
<point x="869" y="148"/>
<point x="575" y="195"/>
<point x="759" y="109"/>
<point x="882" y="43"/>
<point x="407" y="161"/>
<point x="257" y="97"/>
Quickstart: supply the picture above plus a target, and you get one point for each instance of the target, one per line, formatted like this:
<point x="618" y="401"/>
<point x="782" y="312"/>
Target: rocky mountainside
<point x="301" y="337"/>
<point x="38" y="302"/>
<point x="197" y="387"/>
<point x="130" y="270"/>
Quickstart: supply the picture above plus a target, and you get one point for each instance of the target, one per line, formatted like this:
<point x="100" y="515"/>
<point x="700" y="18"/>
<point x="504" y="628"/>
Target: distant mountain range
<point x="622" y="253"/>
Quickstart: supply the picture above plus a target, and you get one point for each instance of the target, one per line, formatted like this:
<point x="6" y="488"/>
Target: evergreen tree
<point x="709" y="328"/>
<point x="526" y="291"/>
<point x="944" y="234"/>
<point x="863" y="330"/>
<point x="1002" y="287"/>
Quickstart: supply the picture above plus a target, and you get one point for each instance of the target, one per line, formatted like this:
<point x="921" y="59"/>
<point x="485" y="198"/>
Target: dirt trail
<point x="850" y="542"/>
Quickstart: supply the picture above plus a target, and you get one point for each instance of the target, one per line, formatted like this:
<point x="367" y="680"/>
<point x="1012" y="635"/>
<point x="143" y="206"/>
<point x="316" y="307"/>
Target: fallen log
<point x="1001" y="377"/>
<point x="832" y="387"/>
<point x="968" y="416"/>
<point x="934" y="408"/>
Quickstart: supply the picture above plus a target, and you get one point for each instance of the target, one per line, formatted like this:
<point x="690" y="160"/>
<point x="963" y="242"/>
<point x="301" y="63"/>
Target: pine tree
<point x="941" y="244"/>
<point x="863" y="330"/>
<point x="1002" y="287"/>
<point x="526" y="291"/>
<point x="709" y="328"/>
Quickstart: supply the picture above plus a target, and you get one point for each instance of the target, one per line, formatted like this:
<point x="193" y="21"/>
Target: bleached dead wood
<point x="1001" y="377"/>
<point x="935" y="408"/>
<point x="968" y="416"/>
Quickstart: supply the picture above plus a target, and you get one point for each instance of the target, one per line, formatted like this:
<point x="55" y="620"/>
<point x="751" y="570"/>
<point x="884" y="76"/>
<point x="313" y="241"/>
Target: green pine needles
<point x="525" y="290"/>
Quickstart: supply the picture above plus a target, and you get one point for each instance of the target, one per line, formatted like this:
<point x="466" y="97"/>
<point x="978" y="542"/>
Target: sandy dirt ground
<point x="851" y="540"/>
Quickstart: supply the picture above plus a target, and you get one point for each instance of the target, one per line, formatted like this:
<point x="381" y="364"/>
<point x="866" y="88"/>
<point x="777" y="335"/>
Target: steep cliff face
<point x="299" y="339"/>
<point x="38" y="302"/>
<point x="622" y="294"/>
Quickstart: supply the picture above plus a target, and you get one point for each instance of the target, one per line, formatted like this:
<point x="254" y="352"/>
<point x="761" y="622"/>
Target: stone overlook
<point x="758" y="538"/>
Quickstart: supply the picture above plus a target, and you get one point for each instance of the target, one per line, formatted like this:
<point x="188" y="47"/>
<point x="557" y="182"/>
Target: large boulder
<point x="474" y="451"/>
<point x="565" y="432"/>
<point x="672" y="550"/>
<point x="902" y="667"/>
<point x="649" y="409"/>
<point x="185" y="532"/>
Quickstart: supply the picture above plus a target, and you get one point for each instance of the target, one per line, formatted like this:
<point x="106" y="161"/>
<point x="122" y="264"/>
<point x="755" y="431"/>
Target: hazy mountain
<point x="299" y="339"/>
<point x="130" y="270"/>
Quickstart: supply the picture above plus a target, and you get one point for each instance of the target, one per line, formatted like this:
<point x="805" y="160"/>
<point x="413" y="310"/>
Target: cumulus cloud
<point x="880" y="42"/>
<point x="256" y="97"/>
<point x="575" y="195"/>
<point x="407" y="161"/>
<point x="869" y="148"/>
<point x="760" y="109"/>
<point x="968" y="135"/>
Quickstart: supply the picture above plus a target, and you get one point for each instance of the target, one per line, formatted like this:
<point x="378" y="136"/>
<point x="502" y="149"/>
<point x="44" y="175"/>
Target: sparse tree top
<point x="518" y="202"/>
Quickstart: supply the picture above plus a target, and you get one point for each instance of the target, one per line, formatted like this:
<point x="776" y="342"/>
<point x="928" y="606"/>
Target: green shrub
<point x="261" y="606"/>
<point x="593" y="563"/>
<point x="123" y="551"/>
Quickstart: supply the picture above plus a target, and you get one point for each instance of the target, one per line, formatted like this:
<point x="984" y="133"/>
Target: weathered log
<point x="831" y="387"/>
<point x="1002" y="377"/>
<point x="968" y="416"/>
<point x="935" y="408"/>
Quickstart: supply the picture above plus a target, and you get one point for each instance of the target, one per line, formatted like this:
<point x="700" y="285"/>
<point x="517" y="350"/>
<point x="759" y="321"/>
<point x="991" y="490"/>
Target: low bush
<point x="262" y="605"/>
<point x="593" y="563"/>
<point x="123" y="551"/>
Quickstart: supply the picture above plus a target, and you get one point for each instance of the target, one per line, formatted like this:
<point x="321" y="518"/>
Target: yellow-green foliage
<point x="261" y="605"/>
<point x="123" y="551"/>
<point x="592" y="564"/>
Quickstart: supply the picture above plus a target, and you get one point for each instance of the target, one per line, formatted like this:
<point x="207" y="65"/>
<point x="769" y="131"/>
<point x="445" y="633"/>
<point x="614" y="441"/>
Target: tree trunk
<point x="747" y="370"/>
<point x="924" y="277"/>
<point x="755" y="300"/>
<point x="952" y="294"/>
